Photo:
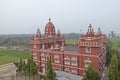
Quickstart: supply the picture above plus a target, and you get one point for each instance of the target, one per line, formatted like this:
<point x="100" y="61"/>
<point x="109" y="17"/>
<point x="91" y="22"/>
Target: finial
<point x="99" y="28"/>
<point x="89" y="24"/>
<point x="38" y="29"/>
<point x="38" y="32"/>
<point x="49" y="19"/>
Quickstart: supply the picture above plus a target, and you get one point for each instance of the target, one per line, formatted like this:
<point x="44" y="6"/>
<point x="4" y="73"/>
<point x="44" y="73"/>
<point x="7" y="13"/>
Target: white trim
<point x="35" y="46"/>
<point x="87" y="63"/>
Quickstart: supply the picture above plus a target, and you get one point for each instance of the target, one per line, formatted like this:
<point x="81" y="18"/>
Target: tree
<point x="19" y="65"/>
<point x="50" y="73"/>
<point x="24" y="68"/>
<point x="109" y="52"/>
<point x="33" y="68"/>
<point x="28" y="67"/>
<point x="113" y="68"/>
<point x="90" y="74"/>
<point x="118" y="54"/>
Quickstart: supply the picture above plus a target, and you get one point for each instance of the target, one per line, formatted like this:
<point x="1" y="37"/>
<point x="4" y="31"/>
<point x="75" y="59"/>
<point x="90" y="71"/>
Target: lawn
<point x="71" y="41"/>
<point x="7" y="56"/>
<point x="115" y="42"/>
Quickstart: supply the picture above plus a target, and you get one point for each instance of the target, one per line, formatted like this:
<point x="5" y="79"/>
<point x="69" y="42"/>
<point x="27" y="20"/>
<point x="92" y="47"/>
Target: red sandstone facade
<point x="90" y="49"/>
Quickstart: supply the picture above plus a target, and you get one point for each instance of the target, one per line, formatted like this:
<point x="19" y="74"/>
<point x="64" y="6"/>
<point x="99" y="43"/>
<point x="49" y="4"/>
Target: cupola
<point x="90" y="31"/>
<point x="49" y="28"/>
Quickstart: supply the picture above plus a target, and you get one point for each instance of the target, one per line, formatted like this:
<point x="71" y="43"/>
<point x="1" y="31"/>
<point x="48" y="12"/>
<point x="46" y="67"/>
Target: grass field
<point x="115" y="42"/>
<point x="71" y="41"/>
<point x="7" y="56"/>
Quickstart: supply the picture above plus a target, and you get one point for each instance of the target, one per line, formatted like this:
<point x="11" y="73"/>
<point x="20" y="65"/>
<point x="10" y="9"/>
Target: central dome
<point x="49" y="28"/>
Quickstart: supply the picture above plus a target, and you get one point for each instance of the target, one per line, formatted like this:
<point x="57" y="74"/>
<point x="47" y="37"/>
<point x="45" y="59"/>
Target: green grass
<point x="71" y="41"/>
<point x="115" y="42"/>
<point x="7" y="56"/>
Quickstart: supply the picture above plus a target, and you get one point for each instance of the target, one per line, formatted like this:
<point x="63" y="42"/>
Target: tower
<point x="92" y="49"/>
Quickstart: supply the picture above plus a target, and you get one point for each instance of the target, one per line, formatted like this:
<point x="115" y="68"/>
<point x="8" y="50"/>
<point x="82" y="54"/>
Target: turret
<point x="99" y="32"/>
<point x="38" y="34"/>
<point x="58" y="33"/>
<point x="90" y="32"/>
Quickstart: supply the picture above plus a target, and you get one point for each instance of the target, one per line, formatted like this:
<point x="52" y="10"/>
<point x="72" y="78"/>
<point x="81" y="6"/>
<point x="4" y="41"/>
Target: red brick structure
<point x="90" y="49"/>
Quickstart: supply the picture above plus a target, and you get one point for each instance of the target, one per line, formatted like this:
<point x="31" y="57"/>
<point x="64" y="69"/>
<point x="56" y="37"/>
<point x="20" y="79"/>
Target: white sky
<point x="25" y="16"/>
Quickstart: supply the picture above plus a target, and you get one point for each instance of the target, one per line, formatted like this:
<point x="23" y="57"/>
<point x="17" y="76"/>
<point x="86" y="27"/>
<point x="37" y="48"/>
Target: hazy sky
<point x="25" y="16"/>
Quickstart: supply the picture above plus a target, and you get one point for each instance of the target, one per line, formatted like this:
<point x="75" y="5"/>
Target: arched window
<point x="56" y="59"/>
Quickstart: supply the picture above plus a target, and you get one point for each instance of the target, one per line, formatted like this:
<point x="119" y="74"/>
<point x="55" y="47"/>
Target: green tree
<point x="90" y="74"/>
<point x="24" y="68"/>
<point x="20" y="65"/>
<point x="113" y="68"/>
<point x="33" y="68"/>
<point x="50" y="73"/>
<point x="28" y="67"/>
<point x="109" y="52"/>
<point x="119" y="63"/>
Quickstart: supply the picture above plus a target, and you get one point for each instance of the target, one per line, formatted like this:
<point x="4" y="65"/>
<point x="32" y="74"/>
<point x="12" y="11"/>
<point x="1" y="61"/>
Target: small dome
<point x="49" y="28"/>
<point x="99" y="32"/>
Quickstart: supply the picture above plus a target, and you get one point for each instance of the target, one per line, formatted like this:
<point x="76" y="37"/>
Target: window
<point x="87" y="63"/>
<point x="34" y="56"/>
<point x="43" y="46"/>
<point x="74" y="61"/>
<point x="56" y="59"/>
<point x="67" y="61"/>
<point x="35" y="46"/>
<point x="43" y="70"/>
<point x="88" y="50"/>
<point x="42" y="56"/>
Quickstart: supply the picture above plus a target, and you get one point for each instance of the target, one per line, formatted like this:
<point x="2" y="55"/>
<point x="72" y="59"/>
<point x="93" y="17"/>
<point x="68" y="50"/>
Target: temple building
<point x="75" y="58"/>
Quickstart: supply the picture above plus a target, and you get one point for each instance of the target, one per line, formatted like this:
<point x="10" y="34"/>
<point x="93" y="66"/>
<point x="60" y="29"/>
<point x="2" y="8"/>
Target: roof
<point x="61" y="75"/>
<point x="71" y="48"/>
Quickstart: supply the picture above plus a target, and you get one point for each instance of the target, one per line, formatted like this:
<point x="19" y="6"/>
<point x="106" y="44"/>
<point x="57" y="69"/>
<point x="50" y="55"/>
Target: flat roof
<point x="71" y="48"/>
<point x="61" y="75"/>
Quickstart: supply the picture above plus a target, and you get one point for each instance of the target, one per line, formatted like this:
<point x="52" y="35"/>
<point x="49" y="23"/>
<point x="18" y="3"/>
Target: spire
<point x="49" y="19"/>
<point x="90" y="25"/>
<point x="38" y="34"/>
<point x="58" y="33"/>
